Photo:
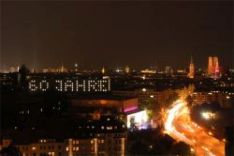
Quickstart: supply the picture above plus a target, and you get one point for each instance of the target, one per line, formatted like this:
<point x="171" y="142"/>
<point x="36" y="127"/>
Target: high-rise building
<point x="210" y="65"/>
<point x="213" y="67"/>
<point x="216" y="65"/>
<point x="191" y="69"/>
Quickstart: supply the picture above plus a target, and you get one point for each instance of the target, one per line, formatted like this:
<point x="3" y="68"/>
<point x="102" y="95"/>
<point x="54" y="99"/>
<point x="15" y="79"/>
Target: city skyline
<point x="116" y="78"/>
<point x="116" y="34"/>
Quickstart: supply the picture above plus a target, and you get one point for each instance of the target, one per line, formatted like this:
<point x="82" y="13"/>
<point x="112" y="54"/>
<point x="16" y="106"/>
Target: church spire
<point x="191" y="60"/>
<point x="191" y="73"/>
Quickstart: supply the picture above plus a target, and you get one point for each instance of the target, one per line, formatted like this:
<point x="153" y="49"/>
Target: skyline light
<point x="116" y="77"/>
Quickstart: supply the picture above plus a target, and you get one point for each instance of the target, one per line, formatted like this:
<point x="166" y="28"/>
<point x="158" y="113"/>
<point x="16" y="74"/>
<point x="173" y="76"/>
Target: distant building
<point x="99" y="145"/>
<point x="127" y="69"/>
<point x="94" y="138"/>
<point x="62" y="69"/>
<point x="213" y="70"/>
<point x="168" y="70"/>
<point x="224" y="99"/>
<point x="148" y="71"/>
<point x="191" y="73"/>
<point x="103" y="70"/>
<point x="210" y="66"/>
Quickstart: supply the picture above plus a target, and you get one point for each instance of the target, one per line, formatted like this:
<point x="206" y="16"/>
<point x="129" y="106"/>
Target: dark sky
<point x="138" y="34"/>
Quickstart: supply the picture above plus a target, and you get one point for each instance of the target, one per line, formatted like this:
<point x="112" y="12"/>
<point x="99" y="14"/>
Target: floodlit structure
<point x="103" y="70"/>
<point x="127" y="69"/>
<point x="213" y="67"/>
<point x="191" y="69"/>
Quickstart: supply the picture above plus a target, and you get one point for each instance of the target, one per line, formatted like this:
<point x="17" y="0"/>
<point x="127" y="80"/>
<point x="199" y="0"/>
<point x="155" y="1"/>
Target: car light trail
<point x="178" y="124"/>
<point x="172" y="114"/>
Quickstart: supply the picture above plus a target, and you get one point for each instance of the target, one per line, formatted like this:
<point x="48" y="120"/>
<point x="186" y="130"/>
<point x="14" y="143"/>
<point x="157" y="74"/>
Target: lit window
<point x="109" y="128"/>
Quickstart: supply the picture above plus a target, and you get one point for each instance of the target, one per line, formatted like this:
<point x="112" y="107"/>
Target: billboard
<point x="138" y="120"/>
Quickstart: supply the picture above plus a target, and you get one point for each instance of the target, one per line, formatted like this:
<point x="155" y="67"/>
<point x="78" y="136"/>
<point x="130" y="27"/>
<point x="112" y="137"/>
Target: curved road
<point x="179" y="125"/>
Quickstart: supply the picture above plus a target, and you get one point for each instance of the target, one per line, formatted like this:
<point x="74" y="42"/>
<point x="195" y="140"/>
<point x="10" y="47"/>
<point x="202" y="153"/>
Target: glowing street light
<point x="208" y="115"/>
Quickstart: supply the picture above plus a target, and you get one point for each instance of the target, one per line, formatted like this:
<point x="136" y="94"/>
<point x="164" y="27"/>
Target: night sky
<point x="111" y="34"/>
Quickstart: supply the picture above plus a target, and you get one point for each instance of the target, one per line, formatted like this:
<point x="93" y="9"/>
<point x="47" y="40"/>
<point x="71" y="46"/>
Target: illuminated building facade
<point x="143" y="96"/>
<point x="213" y="67"/>
<point x="210" y="65"/>
<point x="45" y="147"/>
<point x="75" y="146"/>
<point x="191" y="73"/>
<point x="62" y="69"/>
<point x="104" y="137"/>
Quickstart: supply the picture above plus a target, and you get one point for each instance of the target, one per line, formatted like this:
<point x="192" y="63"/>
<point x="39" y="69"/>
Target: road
<point x="179" y="125"/>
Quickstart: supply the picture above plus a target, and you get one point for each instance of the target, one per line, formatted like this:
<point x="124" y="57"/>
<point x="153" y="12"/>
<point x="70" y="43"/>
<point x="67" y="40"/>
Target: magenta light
<point x="130" y="108"/>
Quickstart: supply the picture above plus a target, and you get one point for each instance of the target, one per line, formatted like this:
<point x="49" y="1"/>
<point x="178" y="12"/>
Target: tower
<point x="216" y="64"/>
<point x="210" y="65"/>
<point x="103" y="70"/>
<point x="191" y="69"/>
<point x="76" y="67"/>
<point x="213" y="70"/>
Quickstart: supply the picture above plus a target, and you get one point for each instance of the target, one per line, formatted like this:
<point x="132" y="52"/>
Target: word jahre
<point x="68" y="85"/>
